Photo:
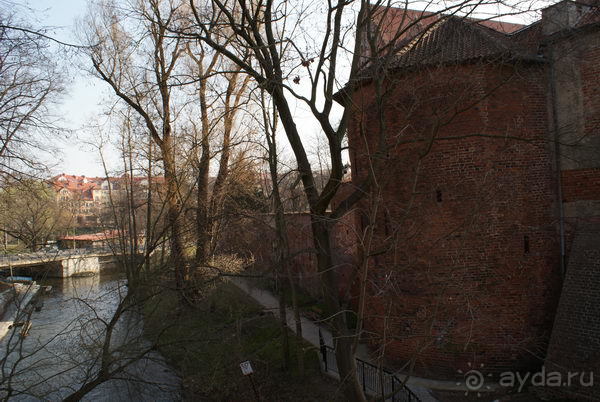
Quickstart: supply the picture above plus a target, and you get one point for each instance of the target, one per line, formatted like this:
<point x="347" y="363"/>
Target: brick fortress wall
<point x="255" y="237"/>
<point x="464" y="266"/>
<point x="575" y="343"/>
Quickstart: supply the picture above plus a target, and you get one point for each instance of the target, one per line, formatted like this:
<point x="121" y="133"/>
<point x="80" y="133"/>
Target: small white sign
<point x="246" y="368"/>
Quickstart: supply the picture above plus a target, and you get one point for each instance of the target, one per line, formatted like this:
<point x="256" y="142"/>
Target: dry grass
<point x="206" y="343"/>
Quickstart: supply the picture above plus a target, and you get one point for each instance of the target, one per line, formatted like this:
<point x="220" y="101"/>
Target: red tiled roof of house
<point x="75" y="183"/>
<point x="84" y="186"/>
<point x="107" y="234"/>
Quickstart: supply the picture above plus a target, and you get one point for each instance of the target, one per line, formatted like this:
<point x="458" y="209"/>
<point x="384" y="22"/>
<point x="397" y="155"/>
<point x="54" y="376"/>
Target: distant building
<point x="91" y="199"/>
<point x="95" y="240"/>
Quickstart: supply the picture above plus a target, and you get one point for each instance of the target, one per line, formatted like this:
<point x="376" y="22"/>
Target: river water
<point x="63" y="347"/>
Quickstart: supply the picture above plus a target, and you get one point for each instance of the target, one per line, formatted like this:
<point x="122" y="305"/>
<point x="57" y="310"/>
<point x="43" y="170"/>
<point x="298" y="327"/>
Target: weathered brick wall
<point x="464" y="259"/>
<point x="589" y="64"/>
<point x="256" y="236"/>
<point x="250" y="237"/>
<point x="302" y="248"/>
<point x="464" y="265"/>
<point x="576" y="65"/>
<point x="575" y="343"/>
<point x="303" y="262"/>
<point x="581" y="184"/>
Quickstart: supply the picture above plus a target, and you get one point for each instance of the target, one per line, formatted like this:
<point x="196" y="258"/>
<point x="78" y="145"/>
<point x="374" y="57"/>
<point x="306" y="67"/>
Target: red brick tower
<point x="469" y="227"/>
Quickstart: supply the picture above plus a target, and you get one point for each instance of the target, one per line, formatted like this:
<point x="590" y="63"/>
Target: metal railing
<point x="375" y="381"/>
<point x="43" y="256"/>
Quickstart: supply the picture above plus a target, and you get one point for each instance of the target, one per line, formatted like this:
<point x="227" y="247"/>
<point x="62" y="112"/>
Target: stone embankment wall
<point x="6" y="297"/>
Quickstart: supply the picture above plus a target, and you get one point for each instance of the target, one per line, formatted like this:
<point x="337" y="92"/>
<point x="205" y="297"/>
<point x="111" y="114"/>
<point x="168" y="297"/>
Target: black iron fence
<point x="375" y="381"/>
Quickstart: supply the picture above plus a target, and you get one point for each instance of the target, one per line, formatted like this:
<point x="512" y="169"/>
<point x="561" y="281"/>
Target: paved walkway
<point x="310" y="332"/>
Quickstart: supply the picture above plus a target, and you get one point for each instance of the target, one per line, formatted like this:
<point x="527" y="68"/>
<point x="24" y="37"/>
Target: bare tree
<point x="262" y="29"/>
<point x="218" y="113"/>
<point x="29" y="84"/>
<point x="120" y="58"/>
<point x="298" y="55"/>
<point x="31" y="213"/>
<point x="281" y="247"/>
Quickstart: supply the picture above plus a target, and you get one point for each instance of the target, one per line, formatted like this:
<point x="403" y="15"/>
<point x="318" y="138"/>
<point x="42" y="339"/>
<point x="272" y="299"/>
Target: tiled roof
<point x="432" y="39"/>
<point x="108" y="234"/>
<point x="453" y="39"/>
<point x="84" y="186"/>
<point x="75" y="183"/>
<point x="529" y="37"/>
<point x="401" y="23"/>
<point x="591" y="17"/>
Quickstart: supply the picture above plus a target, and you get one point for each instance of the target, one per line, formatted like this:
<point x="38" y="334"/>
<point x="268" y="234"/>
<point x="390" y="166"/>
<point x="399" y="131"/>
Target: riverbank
<point x="14" y="300"/>
<point x="61" y="353"/>
<point x="208" y="342"/>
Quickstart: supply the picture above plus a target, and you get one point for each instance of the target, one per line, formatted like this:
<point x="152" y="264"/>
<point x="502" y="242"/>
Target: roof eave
<point x="344" y="94"/>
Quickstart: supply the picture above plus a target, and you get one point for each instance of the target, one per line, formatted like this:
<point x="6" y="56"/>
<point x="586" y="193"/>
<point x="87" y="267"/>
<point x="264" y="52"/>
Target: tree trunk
<point x="283" y="266"/>
<point x="83" y="391"/>
<point x="149" y="232"/>
<point x="282" y="245"/>
<point x="202" y="218"/>
<point x="342" y="337"/>
<point x="177" y="259"/>
<point x="218" y="195"/>
<point x="233" y="98"/>
<point x="283" y="322"/>
<point x="202" y="221"/>
<point x="298" y="323"/>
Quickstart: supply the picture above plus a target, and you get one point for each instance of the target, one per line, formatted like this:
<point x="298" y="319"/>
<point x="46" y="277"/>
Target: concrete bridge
<point x="58" y="263"/>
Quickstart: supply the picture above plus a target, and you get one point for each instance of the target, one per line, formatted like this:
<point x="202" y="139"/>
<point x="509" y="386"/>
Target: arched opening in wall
<point x="526" y="244"/>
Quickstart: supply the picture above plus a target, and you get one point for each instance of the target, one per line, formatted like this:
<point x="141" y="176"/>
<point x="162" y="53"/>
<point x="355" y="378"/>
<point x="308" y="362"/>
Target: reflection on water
<point x="66" y="341"/>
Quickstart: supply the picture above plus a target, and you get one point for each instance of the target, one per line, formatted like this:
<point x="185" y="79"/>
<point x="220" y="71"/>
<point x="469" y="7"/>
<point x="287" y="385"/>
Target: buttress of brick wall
<point x="575" y="342"/>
